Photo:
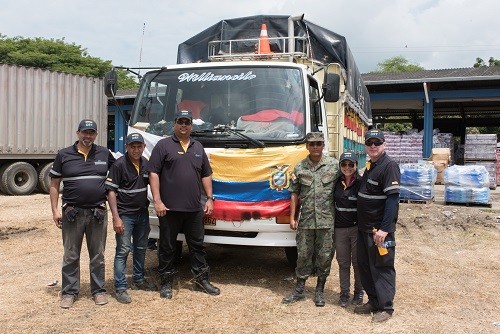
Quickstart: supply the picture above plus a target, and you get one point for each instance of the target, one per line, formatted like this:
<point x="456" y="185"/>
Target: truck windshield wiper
<point x="227" y="129"/>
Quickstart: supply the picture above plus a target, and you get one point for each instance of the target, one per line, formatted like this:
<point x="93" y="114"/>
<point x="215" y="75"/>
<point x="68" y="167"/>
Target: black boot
<point x="319" y="299"/>
<point x="166" y="286"/>
<point x="297" y="294"/>
<point x="202" y="283"/>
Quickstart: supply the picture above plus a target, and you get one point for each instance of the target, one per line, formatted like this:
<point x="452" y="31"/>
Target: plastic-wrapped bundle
<point x="466" y="184"/>
<point x="474" y="176"/>
<point x="418" y="193"/>
<point x="417" y="174"/>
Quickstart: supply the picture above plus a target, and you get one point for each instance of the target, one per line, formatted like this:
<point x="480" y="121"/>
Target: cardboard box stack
<point x="440" y="158"/>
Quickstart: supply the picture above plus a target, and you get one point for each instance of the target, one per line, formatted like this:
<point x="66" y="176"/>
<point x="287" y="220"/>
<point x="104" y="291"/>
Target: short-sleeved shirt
<point x="382" y="179"/>
<point x="346" y="202"/>
<point x="83" y="179"/>
<point x="314" y="186"/>
<point x="130" y="185"/>
<point x="180" y="173"/>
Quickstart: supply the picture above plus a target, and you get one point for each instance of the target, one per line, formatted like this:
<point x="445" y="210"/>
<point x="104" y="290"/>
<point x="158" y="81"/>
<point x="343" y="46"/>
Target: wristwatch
<point x="211" y="197"/>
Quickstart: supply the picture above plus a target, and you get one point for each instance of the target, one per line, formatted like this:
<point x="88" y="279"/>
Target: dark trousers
<point x="191" y="224"/>
<point x="377" y="273"/>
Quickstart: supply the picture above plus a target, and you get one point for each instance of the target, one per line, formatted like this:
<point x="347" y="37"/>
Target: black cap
<point x="374" y="133"/>
<point x="134" y="138"/>
<point x="184" y="114"/>
<point x="87" y="124"/>
<point x="348" y="155"/>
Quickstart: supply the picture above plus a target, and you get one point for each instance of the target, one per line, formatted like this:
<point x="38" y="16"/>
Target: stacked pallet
<point x="480" y="149"/>
<point x="417" y="182"/>
<point x="404" y="148"/>
<point x="498" y="166"/>
<point x="466" y="185"/>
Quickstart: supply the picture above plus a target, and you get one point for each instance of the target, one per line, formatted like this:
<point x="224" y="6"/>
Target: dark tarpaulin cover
<point x="326" y="47"/>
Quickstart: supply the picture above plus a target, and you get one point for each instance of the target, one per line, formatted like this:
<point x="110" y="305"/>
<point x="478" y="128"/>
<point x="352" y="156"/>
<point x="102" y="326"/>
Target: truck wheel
<point x="44" y="178"/>
<point x="19" y="178"/>
<point x="291" y="256"/>
<point x="2" y="188"/>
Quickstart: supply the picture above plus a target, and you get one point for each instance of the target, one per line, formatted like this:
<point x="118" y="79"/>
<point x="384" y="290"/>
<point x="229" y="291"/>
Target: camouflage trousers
<point x="315" y="250"/>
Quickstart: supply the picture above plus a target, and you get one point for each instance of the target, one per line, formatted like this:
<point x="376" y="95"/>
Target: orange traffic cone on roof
<point x="264" y="47"/>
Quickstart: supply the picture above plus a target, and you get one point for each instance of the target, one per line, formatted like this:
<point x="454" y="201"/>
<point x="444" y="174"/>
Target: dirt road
<point x="448" y="266"/>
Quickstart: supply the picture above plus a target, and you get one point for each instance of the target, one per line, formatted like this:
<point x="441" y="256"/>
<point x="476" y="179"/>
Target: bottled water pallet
<point x="487" y="205"/>
<point x="416" y="201"/>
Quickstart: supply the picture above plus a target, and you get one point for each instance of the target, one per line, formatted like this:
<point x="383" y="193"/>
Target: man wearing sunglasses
<point x="178" y="170"/>
<point x="312" y="182"/>
<point x="378" y="206"/>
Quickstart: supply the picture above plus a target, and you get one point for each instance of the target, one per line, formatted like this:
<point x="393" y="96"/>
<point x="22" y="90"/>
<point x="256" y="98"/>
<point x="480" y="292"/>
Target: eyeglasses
<point x="345" y="164"/>
<point x="373" y="142"/>
<point x="315" y="143"/>
<point x="183" y="122"/>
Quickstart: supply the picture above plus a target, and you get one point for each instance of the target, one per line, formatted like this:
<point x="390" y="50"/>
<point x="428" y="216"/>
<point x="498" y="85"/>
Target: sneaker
<point x="67" y="301"/>
<point x="344" y="299"/>
<point x="123" y="297"/>
<point x="144" y="285"/>
<point x="357" y="299"/>
<point x="101" y="298"/>
<point x="366" y="308"/>
<point x="381" y="316"/>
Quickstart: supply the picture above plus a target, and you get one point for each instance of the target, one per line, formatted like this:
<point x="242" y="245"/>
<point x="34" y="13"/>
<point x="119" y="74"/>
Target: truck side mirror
<point x="110" y="83"/>
<point x="331" y="87"/>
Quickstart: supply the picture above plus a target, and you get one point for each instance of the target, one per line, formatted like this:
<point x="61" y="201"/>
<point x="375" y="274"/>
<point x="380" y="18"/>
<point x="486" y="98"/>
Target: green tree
<point x="491" y="62"/>
<point x="57" y="55"/>
<point x="397" y="64"/>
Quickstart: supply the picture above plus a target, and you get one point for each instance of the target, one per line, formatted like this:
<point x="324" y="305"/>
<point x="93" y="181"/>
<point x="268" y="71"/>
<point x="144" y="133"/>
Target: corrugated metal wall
<point x="40" y="110"/>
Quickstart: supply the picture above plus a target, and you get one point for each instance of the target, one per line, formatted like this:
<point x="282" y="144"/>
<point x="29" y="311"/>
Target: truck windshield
<point x="263" y="103"/>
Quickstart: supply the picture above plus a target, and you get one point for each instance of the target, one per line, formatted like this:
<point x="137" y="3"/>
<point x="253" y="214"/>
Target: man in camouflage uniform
<point x="312" y="182"/>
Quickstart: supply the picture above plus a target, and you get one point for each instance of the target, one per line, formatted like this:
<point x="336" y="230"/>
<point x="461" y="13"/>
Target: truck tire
<point x="19" y="178"/>
<point x="2" y="188"/>
<point x="44" y="178"/>
<point x="291" y="256"/>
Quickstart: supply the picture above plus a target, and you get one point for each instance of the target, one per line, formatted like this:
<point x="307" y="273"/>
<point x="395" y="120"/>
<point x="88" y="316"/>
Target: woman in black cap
<point x="346" y="227"/>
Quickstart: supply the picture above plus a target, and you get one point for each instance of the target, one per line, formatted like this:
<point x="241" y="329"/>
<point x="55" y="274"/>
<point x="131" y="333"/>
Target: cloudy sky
<point x="434" y="34"/>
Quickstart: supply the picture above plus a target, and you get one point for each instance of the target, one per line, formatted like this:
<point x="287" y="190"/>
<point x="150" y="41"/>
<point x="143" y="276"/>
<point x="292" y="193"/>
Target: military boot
<point x="319" y="299"/>
<point x="166" y="286"/>
<point x="202" y="283"/>
<point x="297" y="294"/>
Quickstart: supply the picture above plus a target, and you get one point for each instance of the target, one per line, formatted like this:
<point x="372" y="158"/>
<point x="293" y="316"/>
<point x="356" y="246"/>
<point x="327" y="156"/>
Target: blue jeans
<point x="136" y="229"/>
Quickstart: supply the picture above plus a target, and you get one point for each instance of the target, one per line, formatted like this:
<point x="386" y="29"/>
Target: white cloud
<point x="431" y="33"/>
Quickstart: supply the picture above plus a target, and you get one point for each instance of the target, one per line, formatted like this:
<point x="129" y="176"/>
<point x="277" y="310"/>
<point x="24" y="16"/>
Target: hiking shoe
<point x="357" y="299"/>
<point x="366" y="308"/>
<point x="67" y="301"/>
<point x="123" y="297"/>
<point x="344" y="299"/>
<point x="381" y="316"/>
<point x="101" y="298"/>
<point x="144" y="285"/>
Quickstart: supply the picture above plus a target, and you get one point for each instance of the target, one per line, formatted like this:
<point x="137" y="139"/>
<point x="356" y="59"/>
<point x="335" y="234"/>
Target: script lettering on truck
<point x="209" y="76"/>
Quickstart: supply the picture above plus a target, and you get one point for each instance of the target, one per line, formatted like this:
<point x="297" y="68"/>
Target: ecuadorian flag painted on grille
<point x="253" y="183"/>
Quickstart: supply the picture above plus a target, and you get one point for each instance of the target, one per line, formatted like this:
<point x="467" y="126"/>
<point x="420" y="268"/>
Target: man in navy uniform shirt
<point x="82" y="167"/>
<point x="127" y="185"/>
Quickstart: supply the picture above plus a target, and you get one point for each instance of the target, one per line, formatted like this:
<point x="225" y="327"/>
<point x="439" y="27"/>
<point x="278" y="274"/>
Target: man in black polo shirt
<point x="178" y="170"/>
<point x="127" y="185"/>
<point x="378" y="205"/>
<point x="82" y="167"/>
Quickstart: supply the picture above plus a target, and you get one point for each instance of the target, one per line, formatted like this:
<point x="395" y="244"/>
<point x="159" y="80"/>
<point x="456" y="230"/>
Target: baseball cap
<point x="315" y="136"/>
<point x="134" y="138"/>
<point x="348" y="155"/>
<point x="87" y="124"/>
<point x="374" y="133"/>
<point x="184" y="114"/>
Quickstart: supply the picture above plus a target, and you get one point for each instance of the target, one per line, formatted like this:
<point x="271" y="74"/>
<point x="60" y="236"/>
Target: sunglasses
<point x="315" y="143"/>
<point x="373" y="142"/>
<point x="183" y="122"/>
<point x="345" y="164"/>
